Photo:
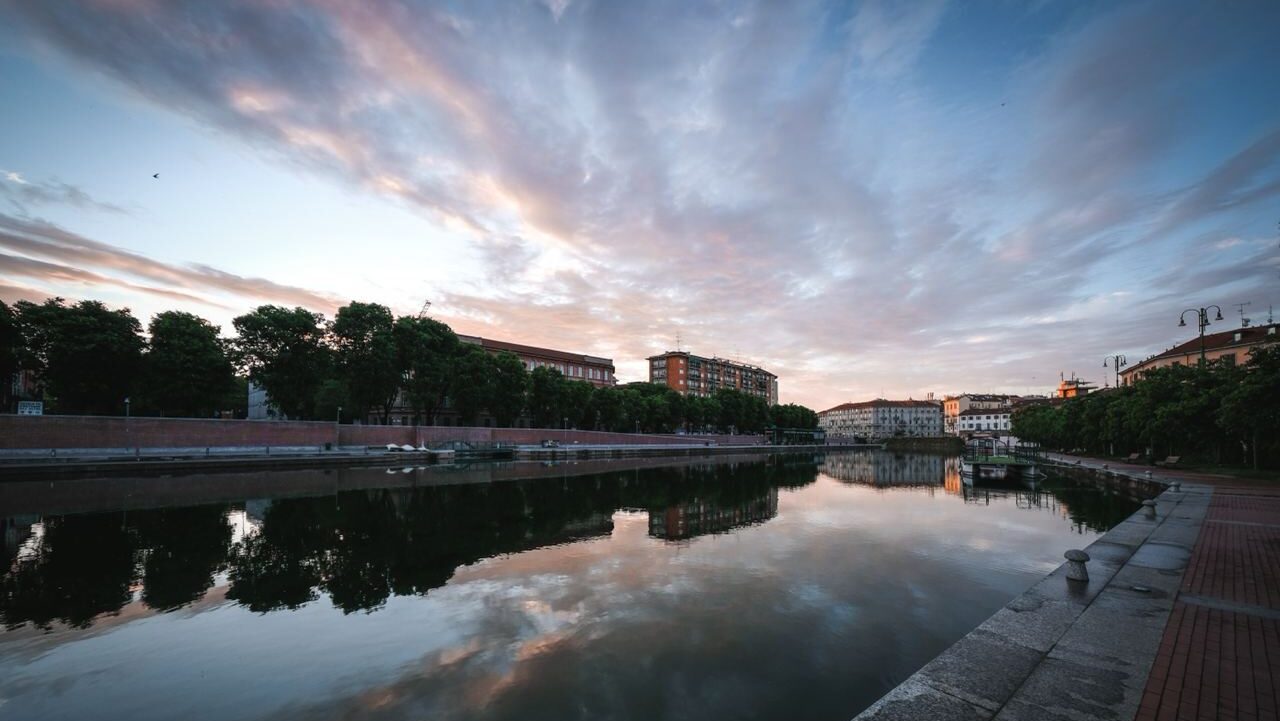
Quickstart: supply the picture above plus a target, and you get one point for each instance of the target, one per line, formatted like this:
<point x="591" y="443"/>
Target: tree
<point x="1251" y="410"/>
<point x="576" y="396"/>
<point x="793" y="416"/>
<point x="86" y="356"/>
<point x="10" y="346"/>
<point x="546" y="397"/>
<point x="187" y="369"/>
<point x="508" y="384"/>
<point x="472" y="386"/>
<point x="283" y="351"/>
<point x="366" y="357"/>
<point x="427" y="350"/>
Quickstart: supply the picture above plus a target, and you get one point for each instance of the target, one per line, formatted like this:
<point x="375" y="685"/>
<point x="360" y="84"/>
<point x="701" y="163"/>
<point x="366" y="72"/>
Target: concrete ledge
<point x="1067" y="649"/>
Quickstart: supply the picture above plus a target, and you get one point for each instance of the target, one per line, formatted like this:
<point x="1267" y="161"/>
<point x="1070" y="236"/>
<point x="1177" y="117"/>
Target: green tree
<point x="283" y="351"/>
<point x="1251" y="410"/>
<point x="10" y="346"/>
<point x="187" y="369"/>
<point x="508" y="384"/>
<point x="86" y="356"/>
<point x="366" y="357"/>
<point x="577" y="404"/>
<point x="546" y="397"/>
<point x="792" y="415"/>
<point x="427" y="350"/>
<point x="472" y="385"/>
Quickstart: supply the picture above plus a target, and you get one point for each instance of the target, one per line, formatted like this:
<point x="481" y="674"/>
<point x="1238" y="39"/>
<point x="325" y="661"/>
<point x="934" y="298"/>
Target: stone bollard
<point x="1150" y="508"/>
<point x="1105" y="466"/>
<point x="1076" y="570"/>
<point x="1148" y="473"/>
<point x="1175" y="486"/>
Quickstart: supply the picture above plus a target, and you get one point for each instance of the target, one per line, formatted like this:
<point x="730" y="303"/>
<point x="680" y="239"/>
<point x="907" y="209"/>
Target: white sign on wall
<point x="30" y="408"/>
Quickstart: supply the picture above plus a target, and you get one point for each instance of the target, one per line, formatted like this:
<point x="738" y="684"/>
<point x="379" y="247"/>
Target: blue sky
<point x="866" y="198"/>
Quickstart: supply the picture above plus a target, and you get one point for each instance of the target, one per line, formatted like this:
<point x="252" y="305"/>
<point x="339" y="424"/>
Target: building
<point x="1232" y="346"/>
<point x="997" y="421"/>
<point x="1072" y="387"/>
<point x="689" y="374"/>
<point x="953" y="406"/>
<point x="880" y="419"/>
<point x="573" y="366"/>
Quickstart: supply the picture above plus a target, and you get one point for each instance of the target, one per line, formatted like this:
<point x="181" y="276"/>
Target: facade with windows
<point x="997" y="421"/>
<point x="953" y="406"/>
<point x="689" y="374"/>
<point x="573" y="366"/>
<point x="880" y="419"/>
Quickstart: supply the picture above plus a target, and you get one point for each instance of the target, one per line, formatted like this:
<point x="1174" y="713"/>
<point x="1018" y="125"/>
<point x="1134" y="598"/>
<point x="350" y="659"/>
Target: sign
<point x="30" y="408"/>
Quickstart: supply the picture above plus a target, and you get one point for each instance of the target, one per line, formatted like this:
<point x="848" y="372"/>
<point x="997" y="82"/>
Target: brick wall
<point x="114" y="432"/>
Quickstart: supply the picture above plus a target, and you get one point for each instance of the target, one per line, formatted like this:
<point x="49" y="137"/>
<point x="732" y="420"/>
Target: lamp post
<point x="126" y="406"/>
<point x="1116" y="361"/>
<point x="1202" y="319"/>
<point x="338" y="416"/>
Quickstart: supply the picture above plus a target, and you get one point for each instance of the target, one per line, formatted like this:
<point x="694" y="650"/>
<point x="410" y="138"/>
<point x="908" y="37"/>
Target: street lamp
<point x="126" y="406"/>
<point x="338" y="417"/>
<point x="1202" y="318"/>
<point x="1116" y="361"/>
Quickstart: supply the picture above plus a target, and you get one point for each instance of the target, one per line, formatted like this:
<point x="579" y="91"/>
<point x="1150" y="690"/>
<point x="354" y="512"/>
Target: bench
<point x="1169" y="462"/>
<point x="1133" y="457"/>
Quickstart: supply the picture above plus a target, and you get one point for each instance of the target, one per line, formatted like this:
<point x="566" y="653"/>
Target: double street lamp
<point x="1202" y="318"/>
<point x="1116" y="361"/>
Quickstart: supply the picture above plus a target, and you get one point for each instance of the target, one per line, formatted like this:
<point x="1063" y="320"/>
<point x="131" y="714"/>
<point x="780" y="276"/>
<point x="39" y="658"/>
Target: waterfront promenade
<point x="1219" y="657"/>
<point x="1180" y="620"/>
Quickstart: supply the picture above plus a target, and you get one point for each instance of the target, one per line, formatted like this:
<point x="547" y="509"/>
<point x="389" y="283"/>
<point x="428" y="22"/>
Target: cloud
<point x="821" y="190"/>
<point x="21" y="192"/>
<point x="51" y="255"/>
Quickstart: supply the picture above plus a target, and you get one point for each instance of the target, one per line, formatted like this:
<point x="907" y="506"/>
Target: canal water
<point x="751" y="587"/>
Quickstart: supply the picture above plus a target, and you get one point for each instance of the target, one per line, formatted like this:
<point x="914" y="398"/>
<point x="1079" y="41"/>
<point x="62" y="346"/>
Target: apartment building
<point x="880" y="419"/>
<point x="953" y="406"/>
<point x="691" y="374"/>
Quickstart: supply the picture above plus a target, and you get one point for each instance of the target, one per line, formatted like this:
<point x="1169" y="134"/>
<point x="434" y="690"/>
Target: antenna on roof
<point x="426" y="305"/>
<point x="677" y="341"/>
<point x="1244" y="322"/>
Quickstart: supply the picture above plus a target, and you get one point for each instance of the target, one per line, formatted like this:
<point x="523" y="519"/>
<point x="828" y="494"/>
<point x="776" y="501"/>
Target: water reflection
<point x="724" y="588"/>
<point x="358" y="548"/>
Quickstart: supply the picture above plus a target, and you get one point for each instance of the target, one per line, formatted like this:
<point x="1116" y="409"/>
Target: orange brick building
<point x="687" y="373"/>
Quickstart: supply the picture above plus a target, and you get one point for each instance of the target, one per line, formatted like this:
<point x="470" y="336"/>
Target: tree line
<point x="1215" y="412"/>
<point x="363" y="363"/>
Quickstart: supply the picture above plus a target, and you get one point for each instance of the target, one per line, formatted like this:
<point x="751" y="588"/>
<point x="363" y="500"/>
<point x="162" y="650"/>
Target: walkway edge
<point x="1065" y="649"/>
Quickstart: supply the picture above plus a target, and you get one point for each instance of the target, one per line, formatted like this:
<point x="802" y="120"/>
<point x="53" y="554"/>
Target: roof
<point x="981" y="397"/>
<point x="1216" y="341"/>
<point x="882" y="403"/>
<point x="704" y="359"/>
<point x="535" y="352"/>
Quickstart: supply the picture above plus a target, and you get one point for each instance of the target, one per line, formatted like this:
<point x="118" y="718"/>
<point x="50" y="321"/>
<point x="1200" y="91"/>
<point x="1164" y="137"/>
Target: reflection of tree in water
<point x="359" y="547"/>
<point x="1094" y="508"/>
<point x="83" y="566"/>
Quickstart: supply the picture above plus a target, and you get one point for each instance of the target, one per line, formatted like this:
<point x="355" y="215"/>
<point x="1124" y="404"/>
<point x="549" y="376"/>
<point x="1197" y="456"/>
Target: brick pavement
<point x="1219" y="658"/>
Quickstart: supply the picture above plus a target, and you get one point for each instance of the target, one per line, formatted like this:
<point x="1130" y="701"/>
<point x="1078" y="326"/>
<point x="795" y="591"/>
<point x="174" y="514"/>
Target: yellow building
<point x="1232" y="346"/>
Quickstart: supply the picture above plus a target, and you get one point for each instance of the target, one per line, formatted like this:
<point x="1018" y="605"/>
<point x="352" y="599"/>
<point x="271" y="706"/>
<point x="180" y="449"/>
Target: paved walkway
<point x="1219" y="657"/>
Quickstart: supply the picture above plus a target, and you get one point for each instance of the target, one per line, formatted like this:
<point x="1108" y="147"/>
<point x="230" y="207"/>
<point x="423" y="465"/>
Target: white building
<point x="953" y="406"/>
<point x="996" y="421"/>
<point x="880" y="419"/>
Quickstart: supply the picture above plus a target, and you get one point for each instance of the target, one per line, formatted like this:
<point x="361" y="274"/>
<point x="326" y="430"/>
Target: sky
<point x="865" y="198"/>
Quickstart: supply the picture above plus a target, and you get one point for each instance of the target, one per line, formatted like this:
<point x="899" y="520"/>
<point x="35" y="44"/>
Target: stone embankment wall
<point x="115" y="432"/>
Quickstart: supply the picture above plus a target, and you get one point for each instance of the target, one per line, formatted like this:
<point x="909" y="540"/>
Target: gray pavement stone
<point x="1033" y="621"/>
<point x="966" y="670"/>
<point x="1163" y="556"/>
<point x="913" y="701"/>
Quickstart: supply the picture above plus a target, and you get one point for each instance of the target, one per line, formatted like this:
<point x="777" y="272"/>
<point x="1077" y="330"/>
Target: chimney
<point x="1236" y="337"/>
<point x="1271" y="330"/>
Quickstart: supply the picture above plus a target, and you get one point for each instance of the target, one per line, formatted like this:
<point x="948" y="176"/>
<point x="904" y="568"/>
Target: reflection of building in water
<point x="17" y="530"/>
<point x="700" y="517"/>
<point x="886" y="469"/>
<point x="951" y="481"/>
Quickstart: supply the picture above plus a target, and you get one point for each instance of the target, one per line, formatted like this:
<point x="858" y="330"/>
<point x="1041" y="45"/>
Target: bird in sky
<point x="156" y="176"/>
